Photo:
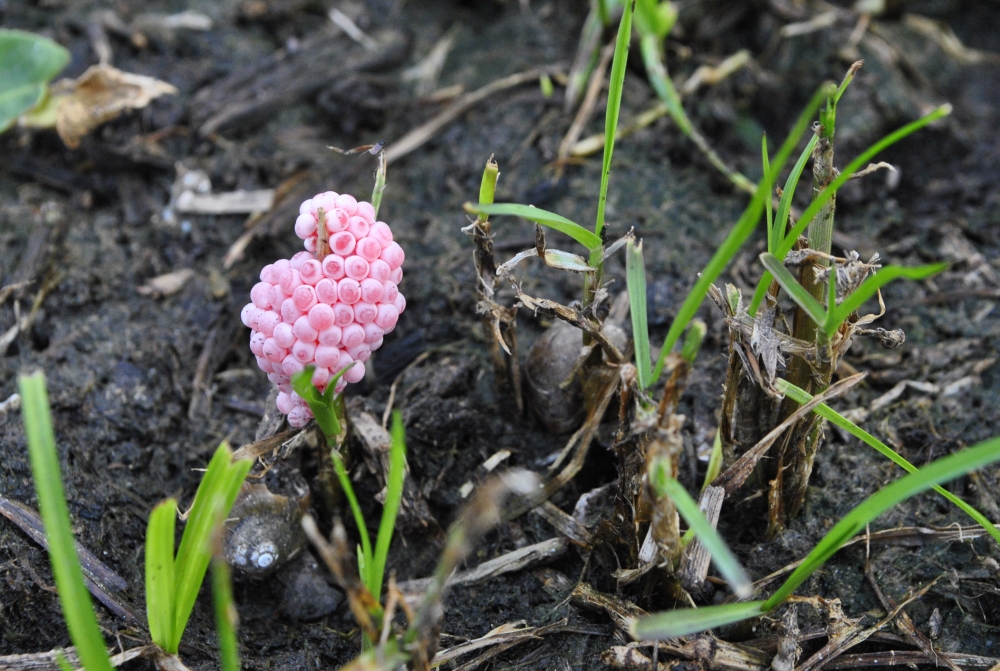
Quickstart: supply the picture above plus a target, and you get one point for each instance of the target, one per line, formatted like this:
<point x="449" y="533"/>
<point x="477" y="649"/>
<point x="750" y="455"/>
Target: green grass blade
<point x="687" y="621"/>
<point x="714" y="460"/>
<point x="935" y="473"/>
<point x="823" y="410"/>
<point x="359" y="518"/>
<point x="488" y="185"/>
<point x="724" y="560"/>
<point x="160" y="577"/>
<point x="741" y="231"/>
<point x="213" y="500"/>
<point x="767" y="181"/>
<point x="798" y="293"/>
<point x="615" y="85"/>
<point x="320" y="404"/>
<point x="226" y="616"/>
<point x="78" y="611"/>
<point x="826" y="194"/>
<point x="635" y="272"/>
<point x="539" y="216"/>
<point x="870" y="287"/>
<point x="393" y="497"/>
<point x="693" y="341"/>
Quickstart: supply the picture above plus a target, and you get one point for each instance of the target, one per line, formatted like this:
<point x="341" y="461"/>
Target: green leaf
<point x="935" y="473"/>
<point x="539" y="216"/>
<point x="488" y="185"/>
<point x="687" y="621"/>
<point x="615" y="85"/>
<point x="741" y="231"/>
<point x="870" y="287"/>
<point x="365" y="551"/>
<point x="78" y="610"/>
<point x="724" y="560"/>
<point x="823" y="410"/>
<point x="767" y="181"/>
<point x="692" y="342"/>
<point x="321" y="404"/>
<point x="714" y="460"/>
<point x="27" y="63"/>
<point x="799" y="293"/>
<point x="160" y="578"/>
<point x="214" y="499"/>
<point x="393" y="498"/>
<point x="226" y="617"/>
<point x="635" y="272"/>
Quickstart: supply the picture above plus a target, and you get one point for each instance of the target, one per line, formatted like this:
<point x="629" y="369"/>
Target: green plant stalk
<point x="161" y="581"/>
<point x="393" y="498"/>
<point x="226" y="617"/>
<point x="714" y="461"/>
<point x="635" y="272"/>
<point x="365" y="555"/>
<point x="591" y="282"/>
<point x="767" y="176"/>
<point x="734" y="241"/>
<point x="488" y="185"/>
<point x="693" y="340"/>
<point x="835" y="418"/>
<point x="78" y="610"/>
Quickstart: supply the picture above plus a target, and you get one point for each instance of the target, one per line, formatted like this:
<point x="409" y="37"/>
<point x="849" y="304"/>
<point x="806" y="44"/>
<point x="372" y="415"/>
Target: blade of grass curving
<point x="823" y="410"/>
<point x="714" y="461"/>
<point x="393" y="497"/>
<point x="741" y="231"/>
<point x="321" y="404"/>
<point x="798" y="293"/>
<point x="160" y="577"/>
<point x="615" y="85"/>
<point x="78" y="610"/>
<point x="226" y="616"/>
<point x="365" y="551"/>
<point x="767" y="181"/>
<point x="215" y="497"/>
<point x="870" y="287"/>
<point x="635" y="273"/>
<point x="824" y="196"/>
<point x="539" y="216"/>
<point x="693" y="340"/>
<point x="942" y="470"/>
<point x="724" y="560"/>
<point x="687" y="621"/>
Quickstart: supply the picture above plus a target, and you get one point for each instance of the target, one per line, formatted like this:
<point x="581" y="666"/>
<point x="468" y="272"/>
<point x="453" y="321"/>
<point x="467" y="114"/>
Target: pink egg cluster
<point x="327" y="312"/>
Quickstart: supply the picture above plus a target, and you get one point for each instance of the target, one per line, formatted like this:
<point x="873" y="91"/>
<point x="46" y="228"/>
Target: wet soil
<point x="90" y="226"/>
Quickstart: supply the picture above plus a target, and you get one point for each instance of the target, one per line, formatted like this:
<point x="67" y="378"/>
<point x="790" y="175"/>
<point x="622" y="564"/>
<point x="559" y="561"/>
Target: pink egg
<point x="345" y="361"/>
<point x="310" y="245"/>
<point x="283" y="335"/>
<point x="366" y="210"/>
<point x="365" y="312"/>
<point x="347" y="203"/>
<point x="298" y="417"/>
<point x="356" y="373"/>
<point x="341" y="385"/>
<point x="343" y="314"/>
<point x="257" y="343"/>
<point x="267" y="321"/>
<point x="278" y="378"/>
<point x="303" y="351"/>
<point x="304" y="297"/>
<point x="276" y="370"/>
<point x="397" y="275"/>
<point x="295" y="263"/>
<point x="371" y="290"/>
<point x="327" y="356"/>
<point x="275" y="296"/>
<point x="263" y="364"/>
<point x="284" y="403"/>
<point x="267" y="274"/>
<point x="280" y="266"/>
<point x="311" y="272"/>
<point x="259" y="295"/>
<point x="303" y="330"/>
<point x="380" y="231"/>
<point x="373" y="332"/>
<point x="360" y="352"/>
<point x="333" y="266"/>
<point x="400" y="303"/>
<point x="343" y="243"/>
<point x="305" y="225"/>
<point x="375" y="344"/>
<point x="336" y="221"/>
<point x="331" y="336"/>
<point x="326" y="200"/>
<point x="326" y="291"/>
<point x="349" y="291"/>
<point x="290" y="366"/>
<point x="379" y="270"/>
<point x="358" y="227"/>
<point x="321" y="317"/>
<point x="387" y="316"/>
<point x="289" y="280"/>
<point x="354" y="334"/>
<point x="368" y="249"/>
<point x="247" y="312"/>
<point x="321" y="376"/>
<point x="393" y="255"/>
<point x="391" y="291"/>
<point x="306" y="206"/>
<point x="255" y="315"/>
<point x="273" y="351"/>
<point x="356" y="268"/>
<point x="289" y="313"/>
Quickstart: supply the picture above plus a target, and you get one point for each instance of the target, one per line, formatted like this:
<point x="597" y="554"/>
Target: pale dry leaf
<point x="101" y="94"/>
<point x="166" y="285"/>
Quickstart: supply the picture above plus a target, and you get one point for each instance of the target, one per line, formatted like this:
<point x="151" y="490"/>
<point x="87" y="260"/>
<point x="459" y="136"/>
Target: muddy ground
<point x="90" y="226"/>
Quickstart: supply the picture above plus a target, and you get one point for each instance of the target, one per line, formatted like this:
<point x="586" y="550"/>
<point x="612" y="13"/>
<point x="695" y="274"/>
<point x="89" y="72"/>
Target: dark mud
<point x="90" y="226"/>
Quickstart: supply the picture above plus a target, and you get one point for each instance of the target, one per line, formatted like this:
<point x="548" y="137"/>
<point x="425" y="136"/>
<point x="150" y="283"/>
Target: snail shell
<point x="264" y="531"/>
